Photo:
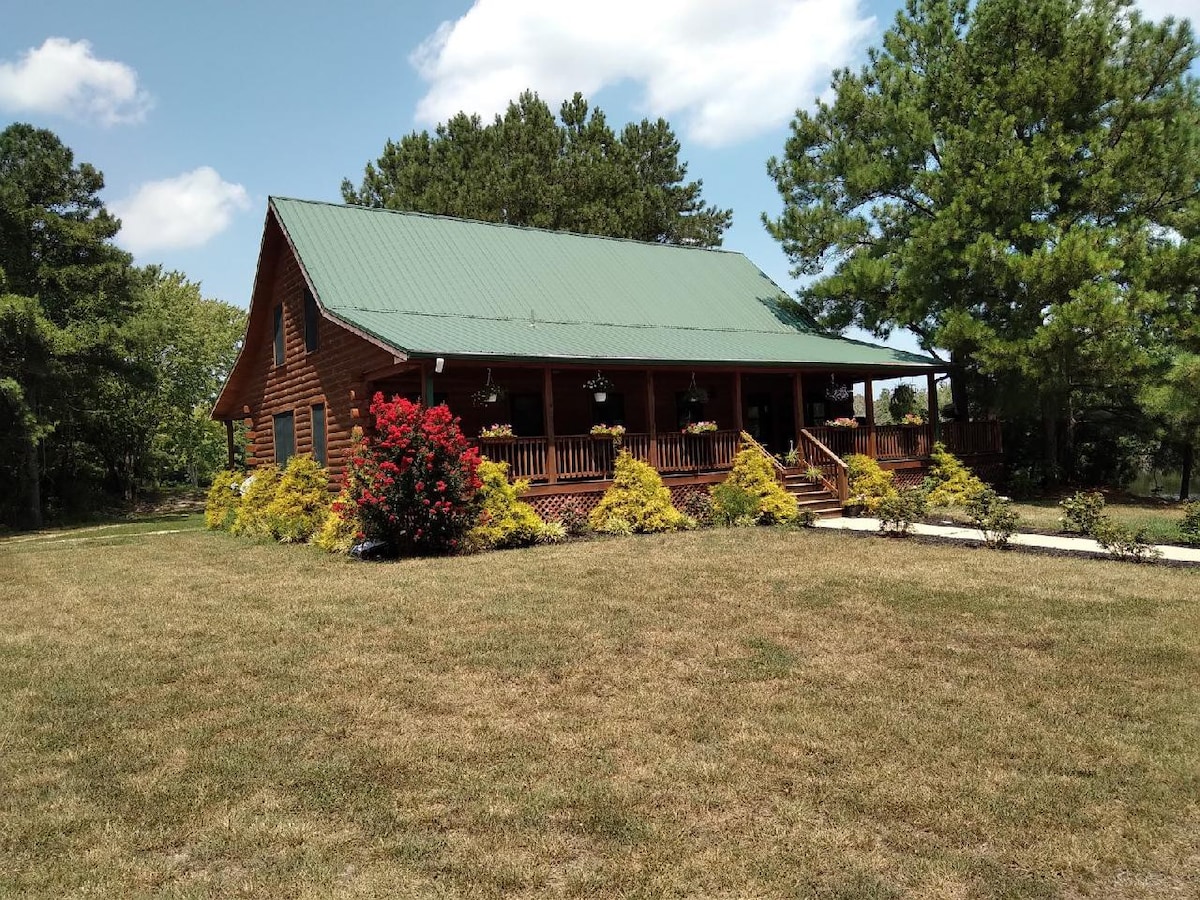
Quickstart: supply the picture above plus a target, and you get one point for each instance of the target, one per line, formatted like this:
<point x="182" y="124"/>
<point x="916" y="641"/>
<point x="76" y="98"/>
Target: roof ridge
<point x="271" y="198"/>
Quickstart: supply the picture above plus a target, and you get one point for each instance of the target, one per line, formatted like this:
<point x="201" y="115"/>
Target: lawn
<point x="1160" y="519"/>
<point x="720" y="713"/>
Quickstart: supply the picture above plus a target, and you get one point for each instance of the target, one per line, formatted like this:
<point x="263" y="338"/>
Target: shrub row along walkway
<point x="1042" y="541"/>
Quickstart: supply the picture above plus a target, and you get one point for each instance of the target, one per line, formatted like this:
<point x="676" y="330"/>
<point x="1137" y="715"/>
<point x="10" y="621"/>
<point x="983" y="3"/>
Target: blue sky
<point x="197" y="112"/>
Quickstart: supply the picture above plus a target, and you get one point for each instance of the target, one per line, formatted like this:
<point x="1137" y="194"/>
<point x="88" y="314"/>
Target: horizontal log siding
<point x="327" y="375"/>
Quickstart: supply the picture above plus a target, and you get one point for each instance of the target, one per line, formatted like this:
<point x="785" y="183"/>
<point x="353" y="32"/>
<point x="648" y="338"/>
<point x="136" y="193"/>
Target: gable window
<point x="312" y="323"/>
<point x="285" y="437"/>
<point x="318" y="433"/>
<point x="279" y="334"/>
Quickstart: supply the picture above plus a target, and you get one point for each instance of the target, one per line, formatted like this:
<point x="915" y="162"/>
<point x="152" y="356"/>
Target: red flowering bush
<point x="415" y="478"/>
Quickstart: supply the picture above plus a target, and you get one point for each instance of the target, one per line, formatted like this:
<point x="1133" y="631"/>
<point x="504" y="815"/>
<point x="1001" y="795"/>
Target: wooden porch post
<point x="229" y="441"/>
<point x="869" y="403"/>
<point x="548" y="414"/>
<point x="651" y="416"/>
<point x="737" y="402"/>
<point x="935" y="419"/>
<point x="798" y="403"/>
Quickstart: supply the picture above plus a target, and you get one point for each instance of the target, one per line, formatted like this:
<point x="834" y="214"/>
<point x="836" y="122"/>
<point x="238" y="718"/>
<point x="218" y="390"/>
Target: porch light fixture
<point x="489" y="393"/>
<point x="695" y="394"/>
<point x="837" y="393"/>
<point x="599" y="386"/>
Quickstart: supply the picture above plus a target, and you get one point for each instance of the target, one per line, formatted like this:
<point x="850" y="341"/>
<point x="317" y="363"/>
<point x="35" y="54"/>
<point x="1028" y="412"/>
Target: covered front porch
<point x="552" y="410"/>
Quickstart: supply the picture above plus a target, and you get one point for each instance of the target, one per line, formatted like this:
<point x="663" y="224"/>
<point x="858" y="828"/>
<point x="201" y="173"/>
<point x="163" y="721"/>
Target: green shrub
<point x="1081" y="512"/>
<point x="994" y="516"/>
<point x="752" y="490"/>
<point x="898" y="512"/>
<point x="950" y="483"/>
<point x="868" y="483"/>
<point x="504" y="520"/>
<point x="1189" y="528"/>
<point x="1124" y="543"/>
<point x="301" y="502"/>
<point x="224" y="498"/>
<point x="699" y="505"/>
<point x="636" y="502"/>
<point x="251" y="517"/>
<point x="573" y="519"/>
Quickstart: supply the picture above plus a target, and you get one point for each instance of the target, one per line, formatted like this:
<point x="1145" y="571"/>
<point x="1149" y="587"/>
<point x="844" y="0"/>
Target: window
<point x="285" y="438"/>
<point x="279" y="334"/>
<point x="611" y="411"/>
<point x="318" y="433"/>
<point x="312" y="323"/>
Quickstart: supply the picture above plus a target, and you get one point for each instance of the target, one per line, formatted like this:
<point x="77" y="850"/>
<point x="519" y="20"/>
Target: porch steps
<point x="816" y="497"/>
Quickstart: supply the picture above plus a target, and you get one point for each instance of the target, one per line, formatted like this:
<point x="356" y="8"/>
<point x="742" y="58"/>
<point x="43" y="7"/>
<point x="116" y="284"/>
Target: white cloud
<point x="185" y="211"/>
<point x="729" y="68"/>
<point x="63" y="78"/>
<point x="1180" y="9"/>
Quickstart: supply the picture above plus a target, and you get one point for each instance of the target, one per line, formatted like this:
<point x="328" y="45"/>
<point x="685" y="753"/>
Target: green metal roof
<point x="437" y="286"/>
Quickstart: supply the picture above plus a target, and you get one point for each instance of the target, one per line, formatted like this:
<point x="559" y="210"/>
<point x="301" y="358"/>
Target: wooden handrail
<point x="750" y="441"/>
<point x="822" y="455"/>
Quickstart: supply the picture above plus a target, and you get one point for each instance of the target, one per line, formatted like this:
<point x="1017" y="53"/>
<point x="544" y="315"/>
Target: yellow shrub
<point x="252" y="512"/>
<point x="504" y="519"/>
<point x="950" y="483"/>
<point x="224" y="498"/>
<point x="341" y="528"/>
<point x="869" y="484"/>
<point x="752" y="492"/>
<point x="301" y="502"/>
<point x="637" y="501"/>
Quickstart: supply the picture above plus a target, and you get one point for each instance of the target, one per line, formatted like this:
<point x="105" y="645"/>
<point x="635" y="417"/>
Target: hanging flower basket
<point x="695" y="394"/>
<point x="838" y="393"/>
<point x="489" y="393"/>
<point x="599" y="386"/>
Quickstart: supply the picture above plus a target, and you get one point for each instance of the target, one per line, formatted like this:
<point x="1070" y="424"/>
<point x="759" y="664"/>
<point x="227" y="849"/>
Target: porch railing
<point x="903" y="442"/>
<point x="833" y="469"/>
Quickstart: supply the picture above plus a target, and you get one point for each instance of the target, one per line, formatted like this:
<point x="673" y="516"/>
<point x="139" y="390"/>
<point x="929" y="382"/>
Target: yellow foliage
<point x="341" y="527"/>
<point x="752" y="492"/>
<point x="636" y="502"/>
<point x="504" y="519"/>
<point x="869" y="484"/>
<point x="224" y="498"/>
<point x="301" y="502"/>
<point x="950" y="483"/>
<point x="252" y="512"/>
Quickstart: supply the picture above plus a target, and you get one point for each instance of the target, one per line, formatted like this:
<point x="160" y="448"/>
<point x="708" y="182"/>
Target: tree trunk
<point x="1185" y="477"/>
<point x="33" y="486"/>
<point x="1050" y="447"/>
<point x="958" y="389"/>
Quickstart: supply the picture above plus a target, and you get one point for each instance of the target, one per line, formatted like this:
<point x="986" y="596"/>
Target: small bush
<point x="994" y="516"/>
<point x="868" y="483"/>
<point x="752" y="490"/>
<point x="950" y="483"/>
<point x="573" y="519"/>
<point x="552" y="533"/>
<point x="251" y="517"/>
<point x="1124" y="543"/>
<point x="224" y="498"/>
<point x="1081" y="512"/>
<point x="699" y="505"/>
<point x="636" y="502"/>
<point x="1189" y="528"/>
<point x="301" y="502"/>
<point x="898" y="512"/>
<point x="504" y="520"/>
<point x="341" y="529"/>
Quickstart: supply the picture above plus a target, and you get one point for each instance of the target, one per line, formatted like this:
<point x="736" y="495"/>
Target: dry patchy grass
<point x="723" y="713"/>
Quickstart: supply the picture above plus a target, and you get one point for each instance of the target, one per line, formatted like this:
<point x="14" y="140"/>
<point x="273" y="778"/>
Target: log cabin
<point x="518" y="326"/>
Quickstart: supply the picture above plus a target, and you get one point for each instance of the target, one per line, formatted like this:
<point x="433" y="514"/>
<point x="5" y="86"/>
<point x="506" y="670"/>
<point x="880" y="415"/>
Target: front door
<point x="760" y="417"/>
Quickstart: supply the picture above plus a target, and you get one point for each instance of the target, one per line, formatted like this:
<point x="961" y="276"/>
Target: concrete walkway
<point x="1042" y="541"/>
